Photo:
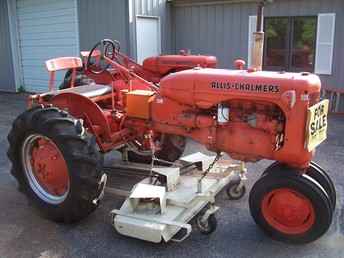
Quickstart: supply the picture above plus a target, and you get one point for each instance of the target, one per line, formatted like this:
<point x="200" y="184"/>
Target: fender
<point x="84" y="108"/>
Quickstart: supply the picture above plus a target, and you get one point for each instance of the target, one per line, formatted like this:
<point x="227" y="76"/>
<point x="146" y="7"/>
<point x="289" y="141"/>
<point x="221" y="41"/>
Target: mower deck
<point x="154" y="212"/>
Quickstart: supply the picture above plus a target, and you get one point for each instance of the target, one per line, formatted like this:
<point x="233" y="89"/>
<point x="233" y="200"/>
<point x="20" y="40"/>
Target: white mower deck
<point x="158" y="211"/>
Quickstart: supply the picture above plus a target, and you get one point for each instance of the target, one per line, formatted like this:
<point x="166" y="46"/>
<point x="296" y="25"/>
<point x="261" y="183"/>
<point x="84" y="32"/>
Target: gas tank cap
<point x="239" y="64"/>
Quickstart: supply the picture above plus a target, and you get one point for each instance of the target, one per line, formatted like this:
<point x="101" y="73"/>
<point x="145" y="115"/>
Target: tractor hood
<point x="208" y="87"/>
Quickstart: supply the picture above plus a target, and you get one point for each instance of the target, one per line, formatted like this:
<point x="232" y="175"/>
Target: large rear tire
<point x="290" y="208"/>
<point x="56" y="163"/>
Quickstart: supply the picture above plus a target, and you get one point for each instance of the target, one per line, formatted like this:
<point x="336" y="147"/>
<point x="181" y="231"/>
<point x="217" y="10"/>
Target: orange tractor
<point x="56" y="146"/>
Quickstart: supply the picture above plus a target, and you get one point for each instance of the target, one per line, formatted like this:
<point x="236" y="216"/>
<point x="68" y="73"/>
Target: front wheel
<point x="56" y="163"/>
<point x="315" y="172"/>
<point x="290" y="208"/>
<point x="319" y="174"/>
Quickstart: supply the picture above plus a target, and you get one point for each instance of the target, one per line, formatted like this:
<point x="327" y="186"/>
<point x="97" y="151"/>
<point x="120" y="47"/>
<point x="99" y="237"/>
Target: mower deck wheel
<point x="206" y="227"/>
<point x="235" y="191"/>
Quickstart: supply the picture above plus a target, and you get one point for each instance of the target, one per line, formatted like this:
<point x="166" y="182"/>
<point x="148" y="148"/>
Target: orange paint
<point x="49" y="167"/>
<point x="288" y="211"/>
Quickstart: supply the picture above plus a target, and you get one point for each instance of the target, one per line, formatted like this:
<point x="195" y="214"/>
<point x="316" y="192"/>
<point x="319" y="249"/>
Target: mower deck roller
<point x="156" y="213"/>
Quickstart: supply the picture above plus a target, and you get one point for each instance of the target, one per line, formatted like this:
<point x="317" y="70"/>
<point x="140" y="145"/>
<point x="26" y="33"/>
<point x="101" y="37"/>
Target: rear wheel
<point x="171" y="149"/>
<point x="45" y="169"/>
<point x="290" y="208"/>
<point x="56" y="163"/>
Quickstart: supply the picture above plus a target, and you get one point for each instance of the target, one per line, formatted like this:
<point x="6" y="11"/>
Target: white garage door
<point x="47" y="29"/>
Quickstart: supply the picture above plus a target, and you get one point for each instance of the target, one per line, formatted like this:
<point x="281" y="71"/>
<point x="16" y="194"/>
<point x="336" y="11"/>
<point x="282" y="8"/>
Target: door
<point x="46" y="29"/>
<point x="148" y="39"/>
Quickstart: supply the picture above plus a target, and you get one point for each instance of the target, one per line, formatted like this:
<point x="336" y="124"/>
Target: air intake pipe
<point x="258" y="38"/>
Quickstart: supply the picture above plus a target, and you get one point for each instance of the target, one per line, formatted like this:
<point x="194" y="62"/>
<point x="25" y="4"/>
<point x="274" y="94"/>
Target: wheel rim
<point x="45" y="168"/>
<point x="203" y="226"/>
<point x="288" y="211"/>
<point x="234" y="191"/>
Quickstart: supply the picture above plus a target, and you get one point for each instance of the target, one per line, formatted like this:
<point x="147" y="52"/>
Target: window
<point x="290" y="43"/>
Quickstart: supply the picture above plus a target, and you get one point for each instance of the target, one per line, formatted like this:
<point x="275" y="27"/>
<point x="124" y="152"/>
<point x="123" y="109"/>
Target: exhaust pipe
<point x="258" y="38"/>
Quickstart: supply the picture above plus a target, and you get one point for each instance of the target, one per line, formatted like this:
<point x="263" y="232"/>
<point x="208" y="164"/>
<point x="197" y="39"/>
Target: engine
<point x="257" y="127"/>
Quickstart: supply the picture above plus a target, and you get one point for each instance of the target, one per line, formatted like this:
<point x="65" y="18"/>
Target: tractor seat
<point x="89" y="91"/>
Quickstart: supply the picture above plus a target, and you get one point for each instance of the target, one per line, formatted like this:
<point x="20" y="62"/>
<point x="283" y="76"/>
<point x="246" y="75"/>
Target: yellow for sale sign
<point x="316" y="131"/>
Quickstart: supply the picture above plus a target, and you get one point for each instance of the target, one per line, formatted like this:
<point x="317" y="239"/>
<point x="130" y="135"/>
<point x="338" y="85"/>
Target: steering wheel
<point x="104" y="48"/>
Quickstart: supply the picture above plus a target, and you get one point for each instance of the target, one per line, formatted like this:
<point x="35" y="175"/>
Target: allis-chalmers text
<point x="246" y="87"/>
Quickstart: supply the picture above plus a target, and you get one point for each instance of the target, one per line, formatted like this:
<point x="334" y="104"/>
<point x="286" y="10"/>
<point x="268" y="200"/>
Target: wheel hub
<point x="288" y="211"/>
<point x="45" y="168"/>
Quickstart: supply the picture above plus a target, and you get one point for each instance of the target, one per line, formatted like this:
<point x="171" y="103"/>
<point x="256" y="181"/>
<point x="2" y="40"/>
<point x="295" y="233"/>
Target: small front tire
<point x="319" y="174"/>
<point x="315" y="172"/>
<point x="290" y="208"/>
